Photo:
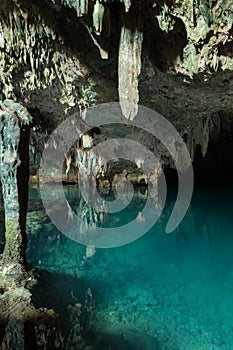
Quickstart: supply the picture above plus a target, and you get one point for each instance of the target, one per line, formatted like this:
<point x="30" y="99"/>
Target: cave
<point x="116" y="151"/>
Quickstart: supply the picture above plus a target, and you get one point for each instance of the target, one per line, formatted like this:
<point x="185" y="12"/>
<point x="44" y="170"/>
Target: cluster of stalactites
<point x="83" y="6"/>
<point x="199" y="135"/>
<point x="25" y="43"/>
<point x="129" y="63"/>
<point x="88" y="162"/>
<point x="130" y="48"/>
<point x="29" y="45"/>
<point x="101" y="27"/>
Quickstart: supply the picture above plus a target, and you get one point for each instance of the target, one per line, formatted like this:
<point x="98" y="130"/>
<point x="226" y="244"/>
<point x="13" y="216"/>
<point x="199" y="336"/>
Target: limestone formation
<point x="98" y="17"/>
<point x="183" y="58"/>
<point x="14" y="121"/>
<point x="129" y="64"/>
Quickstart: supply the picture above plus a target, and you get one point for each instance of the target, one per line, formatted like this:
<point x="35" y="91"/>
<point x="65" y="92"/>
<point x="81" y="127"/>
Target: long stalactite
<point x="129" y="63"/>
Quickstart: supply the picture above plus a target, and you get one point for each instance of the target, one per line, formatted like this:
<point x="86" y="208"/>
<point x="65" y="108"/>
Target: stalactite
<point x="103" y="52"/>
<point x="127" y="4"/>
<point x="198" y="134"/>
<point x="205" y="137"/>
<point x="101" y="28"/>
<point x="27" y="45"/>
<point x="129" y="64"/>
<point x="98" y="17"/>
<point x="82" y="7"/>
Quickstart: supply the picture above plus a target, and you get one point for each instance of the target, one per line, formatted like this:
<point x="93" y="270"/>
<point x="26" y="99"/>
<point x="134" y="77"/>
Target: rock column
<point x="14" y="141"/>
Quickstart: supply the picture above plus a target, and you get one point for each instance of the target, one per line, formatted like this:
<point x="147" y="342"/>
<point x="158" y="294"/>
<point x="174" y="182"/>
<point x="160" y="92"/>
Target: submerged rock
<point x="126" y="339"/>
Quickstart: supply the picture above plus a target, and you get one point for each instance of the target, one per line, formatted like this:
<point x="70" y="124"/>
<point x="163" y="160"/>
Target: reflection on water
<point x="176" y="288"/>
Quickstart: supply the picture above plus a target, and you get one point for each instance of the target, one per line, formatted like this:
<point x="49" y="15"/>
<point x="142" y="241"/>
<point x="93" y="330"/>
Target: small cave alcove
<point x="217" y="165"/>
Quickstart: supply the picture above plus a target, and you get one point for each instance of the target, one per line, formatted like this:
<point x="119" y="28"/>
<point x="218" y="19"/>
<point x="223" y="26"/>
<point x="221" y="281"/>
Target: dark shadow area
<point x="60" y="291"/>
<point x="57" y="291"/>
<point x="163" y="48"/>
<point x="226" y="48"/>
<point x="171" y="175"/>
<point x="208" y="170"/>
<point x="42" y="122"/>
<point x="217" y="165"/>
<point x="125" y="339"/>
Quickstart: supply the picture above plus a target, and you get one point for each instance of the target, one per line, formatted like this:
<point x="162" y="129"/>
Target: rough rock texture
<point x="58" y="57"/>
<point x="129" y="65"/>
<point x="51" y="59"/>
<point x="29" y="322"/>
<point x="14" y="141"/>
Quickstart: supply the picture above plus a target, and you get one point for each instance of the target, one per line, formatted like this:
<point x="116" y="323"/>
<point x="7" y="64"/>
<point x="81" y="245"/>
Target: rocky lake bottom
<point x="163" y="291"/>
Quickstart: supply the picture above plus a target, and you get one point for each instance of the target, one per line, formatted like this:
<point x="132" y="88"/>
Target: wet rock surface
<point x="28" y="321"/>
<point x="47" y="311"/>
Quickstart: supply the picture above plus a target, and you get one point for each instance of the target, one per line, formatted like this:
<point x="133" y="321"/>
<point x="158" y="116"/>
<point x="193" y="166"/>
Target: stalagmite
<point x="14" y="141"/>
<point x="129" y="64"/>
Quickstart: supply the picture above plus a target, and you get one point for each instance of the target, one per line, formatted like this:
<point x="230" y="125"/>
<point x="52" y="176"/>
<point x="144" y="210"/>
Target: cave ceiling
<point x="62" y="56"/>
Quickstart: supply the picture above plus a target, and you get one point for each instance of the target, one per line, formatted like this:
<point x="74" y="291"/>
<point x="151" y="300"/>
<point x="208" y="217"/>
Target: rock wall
<point x="59" y="57"/>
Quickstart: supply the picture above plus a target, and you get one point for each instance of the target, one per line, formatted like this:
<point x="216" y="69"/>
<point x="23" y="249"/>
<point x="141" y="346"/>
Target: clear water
<point x="177" y="288"/>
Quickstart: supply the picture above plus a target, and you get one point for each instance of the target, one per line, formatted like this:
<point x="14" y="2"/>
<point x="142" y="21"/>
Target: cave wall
<point x="58" y="57"/>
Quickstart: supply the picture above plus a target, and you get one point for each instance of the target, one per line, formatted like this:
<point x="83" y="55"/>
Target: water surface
<point x="176" y="288"/>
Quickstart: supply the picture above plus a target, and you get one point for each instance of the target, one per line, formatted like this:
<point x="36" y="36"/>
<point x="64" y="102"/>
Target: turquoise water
<point x="175" y="291"/>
